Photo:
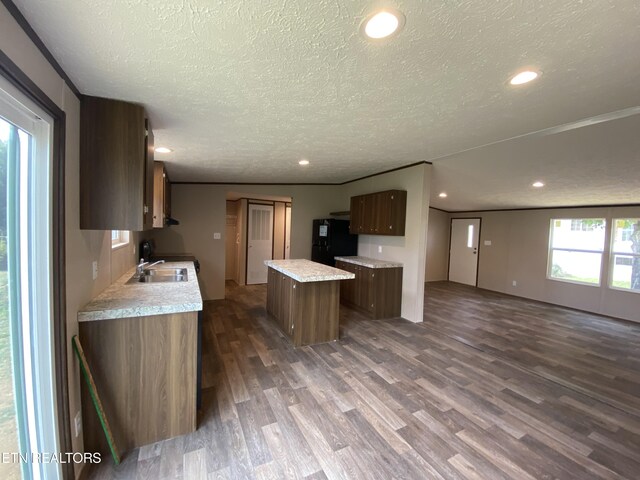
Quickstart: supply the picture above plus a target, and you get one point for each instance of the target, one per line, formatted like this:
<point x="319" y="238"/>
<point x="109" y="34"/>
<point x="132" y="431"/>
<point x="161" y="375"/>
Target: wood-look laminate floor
<point x="488" y="387"/>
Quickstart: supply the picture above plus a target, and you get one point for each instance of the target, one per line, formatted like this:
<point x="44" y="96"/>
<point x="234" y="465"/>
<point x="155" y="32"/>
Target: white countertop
<point x="308" y="271"/>
<point x="122" y="299"/>
<point x="370" y="262"/>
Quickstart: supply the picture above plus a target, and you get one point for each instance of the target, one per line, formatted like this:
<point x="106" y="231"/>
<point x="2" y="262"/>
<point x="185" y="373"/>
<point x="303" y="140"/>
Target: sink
<point x="161" y="278"/>
<point x="165" y="272"/>
<point x="161" y="275"/>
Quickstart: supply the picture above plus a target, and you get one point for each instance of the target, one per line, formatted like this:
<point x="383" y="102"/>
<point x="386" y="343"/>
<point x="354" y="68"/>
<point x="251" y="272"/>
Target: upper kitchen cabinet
<point x="380" y="213"/>
<point x="116" y="166"/>
<point x="161" y="195"/>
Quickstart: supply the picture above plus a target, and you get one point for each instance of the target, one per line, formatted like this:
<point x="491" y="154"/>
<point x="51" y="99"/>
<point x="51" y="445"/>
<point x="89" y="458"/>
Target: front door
<point x="463" y="254"/>
<point x="259" y="242"/>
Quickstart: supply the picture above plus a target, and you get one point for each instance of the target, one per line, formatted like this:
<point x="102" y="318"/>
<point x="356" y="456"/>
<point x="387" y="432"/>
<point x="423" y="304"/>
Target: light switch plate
<point x="94" y="266"/>
<point x="217" y="236"/>
<point x="487" y="243"/>
<point x="379" y="248"/>
<point x="514" y="283"/>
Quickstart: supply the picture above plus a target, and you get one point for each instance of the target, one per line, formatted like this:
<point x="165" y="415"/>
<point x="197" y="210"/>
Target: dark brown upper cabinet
<point x="380" y="213"/>
<point x="116" y="166"/>
<point x="161" y="195"/>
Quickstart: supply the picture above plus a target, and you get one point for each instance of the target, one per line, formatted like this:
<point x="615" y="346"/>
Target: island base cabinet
<point x="377" y="292"/>
<point x="307" y="312"/>
<point x="145" y="371"/>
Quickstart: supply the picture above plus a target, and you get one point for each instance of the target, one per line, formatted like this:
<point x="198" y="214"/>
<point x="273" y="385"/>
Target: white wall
<point x="82" y="246"/>
<point x="437" y="267"/>
<point x="519" y="251"/>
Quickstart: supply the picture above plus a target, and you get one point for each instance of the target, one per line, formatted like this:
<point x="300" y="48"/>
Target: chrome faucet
<point x="142" y="264"/>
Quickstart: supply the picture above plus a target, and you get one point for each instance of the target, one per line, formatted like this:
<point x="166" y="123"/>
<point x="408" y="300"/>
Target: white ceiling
<point x="243" y="89"/>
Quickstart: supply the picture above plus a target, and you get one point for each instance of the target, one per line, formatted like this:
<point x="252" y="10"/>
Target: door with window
<point x="28" y="418"/>
<point x="259" y="242"/>
<point x="463" y="254"/>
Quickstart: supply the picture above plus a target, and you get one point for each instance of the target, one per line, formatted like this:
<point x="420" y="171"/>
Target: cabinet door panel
<point x="149" y="180"/>
<point x="397" y="212"/>
<point x="115" y="180"/>
<point x="358" y="213"/>
<point x="370" y="212"/>
<point x="366" y="289"/>
<point x="158" y="195"/>
<point x="287" y="296"/>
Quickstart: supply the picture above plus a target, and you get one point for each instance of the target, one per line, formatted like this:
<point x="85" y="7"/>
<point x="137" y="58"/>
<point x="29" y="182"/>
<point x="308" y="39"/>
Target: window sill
<point x="117" y="246"/>
<point x="625" y="290"/>
<point x="574" y="282"/>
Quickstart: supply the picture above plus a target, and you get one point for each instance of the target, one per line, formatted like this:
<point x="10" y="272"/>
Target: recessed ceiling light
<point x="524" y="77"/>
<point x="163" y="150"/>
<point x="303" y="162"/>
<point x="383" y="23"/>
<point x="443" y="195"/>
<point x="538" y="184"/>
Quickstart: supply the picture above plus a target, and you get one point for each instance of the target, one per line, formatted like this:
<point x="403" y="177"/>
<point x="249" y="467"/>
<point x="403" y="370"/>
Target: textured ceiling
<point x="243" y="89"/>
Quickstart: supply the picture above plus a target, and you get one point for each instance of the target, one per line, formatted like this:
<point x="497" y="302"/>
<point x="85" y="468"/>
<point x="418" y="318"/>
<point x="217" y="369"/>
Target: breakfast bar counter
<point x="304" y="298"/>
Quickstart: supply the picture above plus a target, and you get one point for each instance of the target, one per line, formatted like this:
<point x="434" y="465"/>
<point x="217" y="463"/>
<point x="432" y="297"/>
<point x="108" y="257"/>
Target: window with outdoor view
<point x="625" y="254"/>
<point x="119" y="238"/>
<point x="575" y="250"/>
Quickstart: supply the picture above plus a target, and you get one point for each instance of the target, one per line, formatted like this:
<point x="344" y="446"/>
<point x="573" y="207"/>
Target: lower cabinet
<point x="376" y="292"/>
<point x="146" y="372"/>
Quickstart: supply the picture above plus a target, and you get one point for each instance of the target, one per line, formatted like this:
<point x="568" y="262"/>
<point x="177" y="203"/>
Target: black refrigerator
<point x="331" y="238"/>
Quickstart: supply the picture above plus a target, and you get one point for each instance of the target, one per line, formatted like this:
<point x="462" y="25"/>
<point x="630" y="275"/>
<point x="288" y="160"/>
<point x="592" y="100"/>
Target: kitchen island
<point x="304" y="298"/>
<point x="141" y="343"/>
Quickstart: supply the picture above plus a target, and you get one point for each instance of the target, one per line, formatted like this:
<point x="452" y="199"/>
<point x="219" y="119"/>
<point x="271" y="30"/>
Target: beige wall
<point x="519" y="252"/>
<point x="82" y="246"/>
<point x="437" y="267"/>
<point x="201" y="210"/>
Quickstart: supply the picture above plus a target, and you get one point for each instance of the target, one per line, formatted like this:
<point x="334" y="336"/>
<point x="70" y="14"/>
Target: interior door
<point x="259" y="242"/>
<point x="463" y="254"/>
<point x="287" y="232"/>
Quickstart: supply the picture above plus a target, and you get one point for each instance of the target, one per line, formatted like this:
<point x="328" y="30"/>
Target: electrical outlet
<point x="514" y="283"/>
<point x="134" y="249"/>
<point x="78" y="423"/>
<point x="216" y="236"/>
<point x="95" y="269"/>
<point x="379" y="248"/>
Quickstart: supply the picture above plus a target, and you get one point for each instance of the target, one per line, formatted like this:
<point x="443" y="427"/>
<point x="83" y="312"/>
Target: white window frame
<point x="36" y="278"/>
<point x="613" y="253"/>
<point x="580" y="250"/>
<point x="121" y="240"/>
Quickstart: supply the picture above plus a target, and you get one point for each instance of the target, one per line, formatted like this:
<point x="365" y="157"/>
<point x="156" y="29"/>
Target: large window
<point x="625" y="254"/>
<point x="575" y="250"/>
<point x="28" y="416"/>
